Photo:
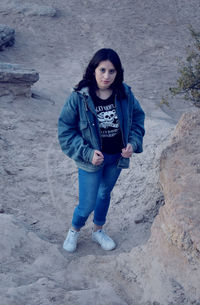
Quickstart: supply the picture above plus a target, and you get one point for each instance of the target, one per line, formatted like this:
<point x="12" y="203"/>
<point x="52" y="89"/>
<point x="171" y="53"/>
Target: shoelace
<point x="72" y="235"/>
<point x="105" y="236"/>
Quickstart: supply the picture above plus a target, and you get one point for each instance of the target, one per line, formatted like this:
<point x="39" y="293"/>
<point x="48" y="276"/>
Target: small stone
<point x="7" y="36"/>
<point x="139" y="219"/>
<point x="37" y="10"/>
<point x="9" y="172"/>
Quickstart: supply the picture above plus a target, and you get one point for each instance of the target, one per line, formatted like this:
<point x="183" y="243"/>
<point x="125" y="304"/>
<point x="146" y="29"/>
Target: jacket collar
<point x="84" y="91"/>
<point x="87" y="98"/>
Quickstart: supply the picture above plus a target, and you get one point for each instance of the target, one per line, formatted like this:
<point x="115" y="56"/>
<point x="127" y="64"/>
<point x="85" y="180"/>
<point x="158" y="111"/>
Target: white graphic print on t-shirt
<point x="108" y="120"/>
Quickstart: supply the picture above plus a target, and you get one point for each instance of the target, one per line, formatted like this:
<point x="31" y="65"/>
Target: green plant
<point x="188" y="84"/>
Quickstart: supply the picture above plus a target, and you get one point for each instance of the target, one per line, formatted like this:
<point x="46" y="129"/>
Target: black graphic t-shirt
<point x="109" y="124"/>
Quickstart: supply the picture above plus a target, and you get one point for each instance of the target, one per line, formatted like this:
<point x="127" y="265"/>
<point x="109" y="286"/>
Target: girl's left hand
<point x="128" y="151"/>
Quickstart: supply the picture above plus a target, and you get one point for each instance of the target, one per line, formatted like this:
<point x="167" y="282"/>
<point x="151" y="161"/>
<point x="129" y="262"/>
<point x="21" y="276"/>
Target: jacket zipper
<point x="119" y="122"/>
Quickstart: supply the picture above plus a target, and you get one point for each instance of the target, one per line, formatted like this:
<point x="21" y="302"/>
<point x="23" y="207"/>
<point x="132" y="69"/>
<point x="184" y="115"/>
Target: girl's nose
<point x="106" y="75"/>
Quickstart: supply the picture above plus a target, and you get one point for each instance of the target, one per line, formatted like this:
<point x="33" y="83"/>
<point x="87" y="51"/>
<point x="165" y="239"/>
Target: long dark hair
<point x="89" y="77"/>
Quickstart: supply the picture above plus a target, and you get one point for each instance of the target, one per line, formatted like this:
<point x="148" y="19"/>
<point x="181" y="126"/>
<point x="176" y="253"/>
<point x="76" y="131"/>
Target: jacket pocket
<point x="123" y="163"/>
<point x="83" y="125"/>
<point x="85" y="131"/>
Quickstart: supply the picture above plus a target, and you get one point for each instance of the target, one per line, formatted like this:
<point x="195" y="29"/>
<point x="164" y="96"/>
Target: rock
<point x="179" y="176"/>
<point x="16" y="80"/>
<point x="37" y="10"/>
<point x="167" y="267"/>
<point x="140" y="218"/>
<point x="7" y="36"/>
<point x="29" y="9"/>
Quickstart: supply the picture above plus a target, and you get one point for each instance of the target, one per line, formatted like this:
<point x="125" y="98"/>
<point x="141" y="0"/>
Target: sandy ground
<point x="39" y="183"/>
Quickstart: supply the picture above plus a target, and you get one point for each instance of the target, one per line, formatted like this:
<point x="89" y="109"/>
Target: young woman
<point x="100" y="127"/>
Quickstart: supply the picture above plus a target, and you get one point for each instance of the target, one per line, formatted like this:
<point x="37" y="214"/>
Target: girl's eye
<point x="103" y="70"/>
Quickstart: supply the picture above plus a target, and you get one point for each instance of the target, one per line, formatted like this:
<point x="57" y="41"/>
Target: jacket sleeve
<point x="71" y="142"/>
<point x="137" y="130"/>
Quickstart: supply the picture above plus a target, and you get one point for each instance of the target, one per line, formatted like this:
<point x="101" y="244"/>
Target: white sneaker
<point x="70" y="242"/>
<point x="103" y="239"/>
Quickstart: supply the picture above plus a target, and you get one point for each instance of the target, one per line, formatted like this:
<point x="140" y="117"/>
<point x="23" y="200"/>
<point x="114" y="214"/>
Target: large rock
<point x="180" y="179"/>
<point x="7" y="36"/>
<point x="167" y="268"/>
<point x="16" y="80"/>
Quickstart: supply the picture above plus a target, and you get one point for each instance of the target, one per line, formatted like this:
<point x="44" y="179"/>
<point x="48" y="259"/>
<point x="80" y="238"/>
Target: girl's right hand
<point x="97" y="158"/>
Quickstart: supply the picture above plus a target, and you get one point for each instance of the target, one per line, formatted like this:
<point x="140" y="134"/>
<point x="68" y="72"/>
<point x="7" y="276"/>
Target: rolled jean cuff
<point x="77" y="227"/>
<point x="99" y="223"/>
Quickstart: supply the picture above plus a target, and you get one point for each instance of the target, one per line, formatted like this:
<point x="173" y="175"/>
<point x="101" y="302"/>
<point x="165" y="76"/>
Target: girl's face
<point x="105" y="74"/>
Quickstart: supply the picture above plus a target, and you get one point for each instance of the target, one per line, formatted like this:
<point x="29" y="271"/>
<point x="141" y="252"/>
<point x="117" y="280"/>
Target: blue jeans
<point x="94" y="192"/>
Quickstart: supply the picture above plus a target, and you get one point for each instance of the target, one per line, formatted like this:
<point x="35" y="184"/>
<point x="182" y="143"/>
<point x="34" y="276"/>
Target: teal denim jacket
<point x="79" y="132"/>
